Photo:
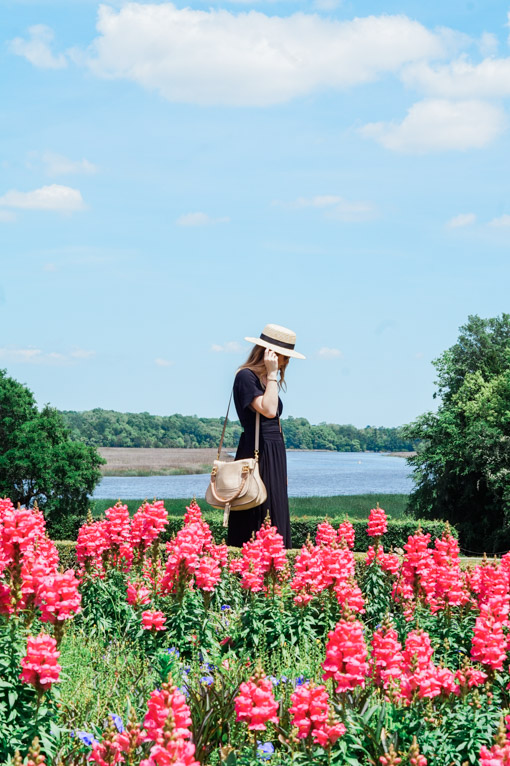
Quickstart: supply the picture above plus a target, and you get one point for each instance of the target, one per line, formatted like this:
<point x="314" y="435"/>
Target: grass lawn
<point x="354" y="506"/>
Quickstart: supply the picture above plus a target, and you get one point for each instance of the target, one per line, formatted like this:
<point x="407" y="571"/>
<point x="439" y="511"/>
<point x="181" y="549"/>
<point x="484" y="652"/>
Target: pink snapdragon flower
<point x="137" y="594"/>
<point x="58" y="597"/>
<point x="346" y="656"/>
<point x="386" y="656"/>
<point x="255" y="704"/>
<point x="490" y="644"/>
<point x="346" y="533"/>
<point x="377" y="522"/>
<point x="153" y="620"/>
<point x="326" y="534"/>
<point x="208" y="574"/>
<point x="311" y="715"/>
<point x="40" y="666"/>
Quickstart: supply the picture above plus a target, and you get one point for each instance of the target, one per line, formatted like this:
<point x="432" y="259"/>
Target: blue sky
<point x="173" y="177"/>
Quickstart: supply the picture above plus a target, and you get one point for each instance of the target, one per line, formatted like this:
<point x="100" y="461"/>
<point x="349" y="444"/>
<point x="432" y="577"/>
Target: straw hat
<point x="278" y="339"/>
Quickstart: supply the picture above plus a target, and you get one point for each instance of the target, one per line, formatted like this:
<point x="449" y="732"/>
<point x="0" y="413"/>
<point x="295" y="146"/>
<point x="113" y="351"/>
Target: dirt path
<point x="139" y="461"/>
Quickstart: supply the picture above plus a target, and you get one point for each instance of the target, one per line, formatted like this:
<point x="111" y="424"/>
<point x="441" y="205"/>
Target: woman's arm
<point x="267" y="404"/>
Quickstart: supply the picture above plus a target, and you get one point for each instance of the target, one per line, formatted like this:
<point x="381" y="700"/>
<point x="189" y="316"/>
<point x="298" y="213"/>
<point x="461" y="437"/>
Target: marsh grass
<point x="183" y="471"/>
<point x="336" y="507"/>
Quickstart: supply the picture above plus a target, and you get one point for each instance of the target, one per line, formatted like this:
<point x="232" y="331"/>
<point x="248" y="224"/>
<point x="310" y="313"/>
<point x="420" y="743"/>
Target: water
<point x="311" y="474"/>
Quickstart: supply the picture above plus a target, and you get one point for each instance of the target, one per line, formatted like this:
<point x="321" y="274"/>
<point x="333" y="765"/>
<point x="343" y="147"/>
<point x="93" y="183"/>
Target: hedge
<point x="396" y="536"/>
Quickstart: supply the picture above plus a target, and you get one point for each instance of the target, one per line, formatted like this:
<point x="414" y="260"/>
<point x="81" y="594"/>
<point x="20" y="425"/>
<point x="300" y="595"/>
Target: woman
<point x="256" y="387"/>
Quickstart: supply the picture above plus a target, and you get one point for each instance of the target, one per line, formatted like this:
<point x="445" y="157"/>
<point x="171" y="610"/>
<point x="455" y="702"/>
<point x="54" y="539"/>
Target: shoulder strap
<point x="257" y="430"/>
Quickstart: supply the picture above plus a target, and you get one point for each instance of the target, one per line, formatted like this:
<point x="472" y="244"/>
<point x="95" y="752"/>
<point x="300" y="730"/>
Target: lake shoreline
<point x="177" y="461"/>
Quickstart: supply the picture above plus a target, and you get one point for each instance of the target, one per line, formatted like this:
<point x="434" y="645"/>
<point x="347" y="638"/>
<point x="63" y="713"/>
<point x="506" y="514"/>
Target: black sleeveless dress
<point x="272" y="464"/>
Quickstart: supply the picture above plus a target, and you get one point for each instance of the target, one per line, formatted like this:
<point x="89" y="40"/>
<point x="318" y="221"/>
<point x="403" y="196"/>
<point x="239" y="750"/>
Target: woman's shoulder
<point x="246" y="373"/>
<point x="245" y="376"/>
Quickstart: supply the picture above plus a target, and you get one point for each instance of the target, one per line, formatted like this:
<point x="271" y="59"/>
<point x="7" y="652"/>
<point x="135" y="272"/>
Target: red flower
<point x="137" y="594"/>
<point x="165" y="702"/>
<point x="58" y="597"/>
<point x="147" y="523"/>
<point x="255" y="703"/>
<point x="489" y="646"/>
<point x="326" y="534"/>
<point x="377" y="522"/>
<point x="311" y="714"/>
<point x="386" y="655"/>
<point x="346" y="656"/>
<point x="40" y="666"/>
<point x="208" y="574"/>
<point x="346" y="533"/>
<point x="152" y="620"/>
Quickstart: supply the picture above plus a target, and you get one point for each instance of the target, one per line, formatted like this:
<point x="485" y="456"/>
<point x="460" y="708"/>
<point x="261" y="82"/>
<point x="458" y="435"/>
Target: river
<point x="311" y="474"/>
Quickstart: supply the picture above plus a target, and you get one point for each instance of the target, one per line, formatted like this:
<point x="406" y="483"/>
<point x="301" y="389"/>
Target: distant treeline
<point x="106" y="428"/>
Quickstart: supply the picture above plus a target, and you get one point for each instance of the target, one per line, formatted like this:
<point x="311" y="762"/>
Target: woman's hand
<point x="271" y="361"/>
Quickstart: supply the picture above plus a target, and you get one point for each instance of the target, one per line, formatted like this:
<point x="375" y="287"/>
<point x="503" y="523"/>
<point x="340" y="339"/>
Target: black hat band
<point x="276" y="342"/>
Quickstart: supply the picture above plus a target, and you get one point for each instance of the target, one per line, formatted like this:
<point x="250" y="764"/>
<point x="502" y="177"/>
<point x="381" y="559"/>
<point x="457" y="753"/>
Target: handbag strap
<point x="257" y="430"/>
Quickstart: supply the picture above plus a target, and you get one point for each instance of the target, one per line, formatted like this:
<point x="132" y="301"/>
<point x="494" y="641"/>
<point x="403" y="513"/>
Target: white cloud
<point x="6" y="216"/>
<point x="501" y="222"/>
<point x="488" y="44"/>
<point x="58" y="165"/>
<point x="329" y="353"/>
<point x="463" y="219"/>
<point x="461" y="79"/>
<point x="31" y="355"/>
<point x="37" y="49"/>
<point x="252" y="59"/>
<point x="54" y="197"/>
<point x="440" y="125"/>
<point x="199" y="219"/>
<point x="231" y="347"/>
<point x="81" y="353"/>
<point x="334" y="207"/>
<point x="163" y="362"/>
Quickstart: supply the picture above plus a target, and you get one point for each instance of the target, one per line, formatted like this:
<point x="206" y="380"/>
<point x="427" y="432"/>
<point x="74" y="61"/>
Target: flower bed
<point x="180" y="654"/>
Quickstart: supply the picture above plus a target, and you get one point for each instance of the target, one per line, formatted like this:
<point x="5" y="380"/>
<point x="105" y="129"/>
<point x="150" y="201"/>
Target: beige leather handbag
<point x="236" y="486"/>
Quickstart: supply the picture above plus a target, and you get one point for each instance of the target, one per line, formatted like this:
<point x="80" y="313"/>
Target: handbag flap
<point x="229" y="476"/>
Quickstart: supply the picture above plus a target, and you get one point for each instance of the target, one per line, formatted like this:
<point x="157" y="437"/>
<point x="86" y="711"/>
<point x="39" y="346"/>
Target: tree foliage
<point x="106" y="428"/>
<point x="462" y="470"/>
<point x="39" y="462"/>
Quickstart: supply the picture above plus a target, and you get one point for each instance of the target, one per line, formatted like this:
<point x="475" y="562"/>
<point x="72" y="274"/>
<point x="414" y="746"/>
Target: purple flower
<point x="86" y="738"/>
<point x="265" y="751"/>
<point x="207" y="680"/>
<point x="117" y="720"/>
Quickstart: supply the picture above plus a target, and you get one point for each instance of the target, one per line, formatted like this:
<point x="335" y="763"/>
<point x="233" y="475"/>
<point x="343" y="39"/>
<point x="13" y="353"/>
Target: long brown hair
<point x="255" y="363"/>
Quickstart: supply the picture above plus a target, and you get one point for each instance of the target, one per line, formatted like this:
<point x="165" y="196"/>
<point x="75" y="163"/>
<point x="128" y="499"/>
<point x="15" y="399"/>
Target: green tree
<point x="39" y="462"/>
<point x="462" y="469"/>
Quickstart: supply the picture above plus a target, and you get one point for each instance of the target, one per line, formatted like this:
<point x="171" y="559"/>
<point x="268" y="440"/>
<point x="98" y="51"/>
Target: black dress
<point x="272" y="464"/>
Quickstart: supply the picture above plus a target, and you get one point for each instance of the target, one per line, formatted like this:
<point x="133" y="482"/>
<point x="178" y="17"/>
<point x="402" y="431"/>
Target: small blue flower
<point x="86" y="738"/>
<point x="184" y="690"/>
<point x="210" y="667"/>
<point x="265" y="751"/>
<point x="225" y="606"/>
<point x="275" y="681"/>
<point x="300" y="680"/>
<point x="207" y="680"/>
<point x="173" y="651"/>
<point x="284" y="679"/>
<point x="187" y="669"/>
<point x="117" y="720"/>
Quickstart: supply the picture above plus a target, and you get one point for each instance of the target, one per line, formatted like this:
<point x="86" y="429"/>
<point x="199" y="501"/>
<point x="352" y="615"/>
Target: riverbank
<point x="172" y="461"/>
<point x="158" y="461"/>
